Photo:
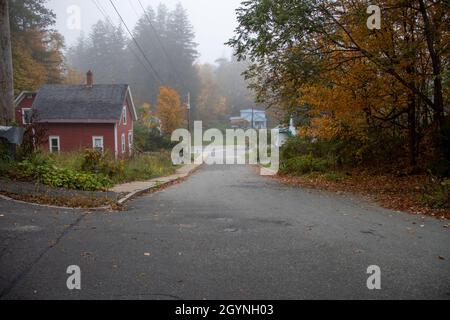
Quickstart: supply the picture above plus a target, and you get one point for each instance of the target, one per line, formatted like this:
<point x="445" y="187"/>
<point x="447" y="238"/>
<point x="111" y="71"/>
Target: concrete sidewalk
<point x="133" y="189"/>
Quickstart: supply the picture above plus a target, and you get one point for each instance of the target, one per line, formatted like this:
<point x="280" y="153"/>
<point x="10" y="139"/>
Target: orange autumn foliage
<point x="169" y="110"/>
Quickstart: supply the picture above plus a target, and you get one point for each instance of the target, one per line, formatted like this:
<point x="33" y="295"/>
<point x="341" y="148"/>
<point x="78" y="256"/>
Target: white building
<point x="258" y="117"/>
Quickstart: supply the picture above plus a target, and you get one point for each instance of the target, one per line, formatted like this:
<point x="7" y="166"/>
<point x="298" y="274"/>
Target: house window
<point x="54" y="144"/>
<point x="130" y="141"/>
<point x="124" y="115"/>
<point x="123" y="143"/>
<point x="97" y="143"/>
<point x="26" y="115"/>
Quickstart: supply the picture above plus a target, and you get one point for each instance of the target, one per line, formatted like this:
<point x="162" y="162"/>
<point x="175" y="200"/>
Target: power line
<point x="137" y="43"/>
<point x="108" y="20"/>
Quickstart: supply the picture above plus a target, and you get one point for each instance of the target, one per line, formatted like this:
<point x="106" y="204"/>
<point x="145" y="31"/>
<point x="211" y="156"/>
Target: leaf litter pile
<point x="401" y="193"/>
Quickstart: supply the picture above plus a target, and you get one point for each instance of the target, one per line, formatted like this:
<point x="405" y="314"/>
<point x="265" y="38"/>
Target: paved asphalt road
<point x="225" y="233"/>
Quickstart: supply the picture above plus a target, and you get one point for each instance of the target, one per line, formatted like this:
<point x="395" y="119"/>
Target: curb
<point x="54" y="207"/>
<point x="135" y="193"/>
<point x="120" y="202"/>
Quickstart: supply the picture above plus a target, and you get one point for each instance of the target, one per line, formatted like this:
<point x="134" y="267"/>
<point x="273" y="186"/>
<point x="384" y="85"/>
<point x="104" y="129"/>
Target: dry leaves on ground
<point x="391" y="191"/>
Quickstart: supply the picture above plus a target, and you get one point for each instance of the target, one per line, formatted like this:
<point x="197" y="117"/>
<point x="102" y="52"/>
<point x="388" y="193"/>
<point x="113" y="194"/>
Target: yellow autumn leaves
<point x="170" y="110"/>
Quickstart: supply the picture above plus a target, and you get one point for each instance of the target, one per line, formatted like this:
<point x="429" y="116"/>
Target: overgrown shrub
<point x="98" y="162"/>
<point x="89" y="170"/>
<point x="147" y="166"/>
<point x="150" y="139"/>
<point x="42" y="168"/>
<point x="301" y="165"/>
<point x="299" y="146"/>
<point x="341" y="152"/>
<point x="438" y="195"/>
<point x="35" y="135"/>
<point x="6" y="159"/>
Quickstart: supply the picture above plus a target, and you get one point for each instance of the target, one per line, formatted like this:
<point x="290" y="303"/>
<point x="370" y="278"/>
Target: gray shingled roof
<point x="101" y="102"/>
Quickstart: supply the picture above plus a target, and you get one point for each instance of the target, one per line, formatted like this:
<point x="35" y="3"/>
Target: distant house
<point x="97" y="116"/>
<point x="258" y="117"/>
<point x="238" y="122"/>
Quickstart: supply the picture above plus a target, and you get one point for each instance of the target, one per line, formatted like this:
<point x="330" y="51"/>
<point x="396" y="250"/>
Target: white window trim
<point x="124" y="111"/>
<point x="23" y="115"/>
<point x="130" y="141"/>
<point x="124" y="144"/>
<point x="116" y="142"/>
<point x="98" y="137"/>
<point x="50" y="143"/>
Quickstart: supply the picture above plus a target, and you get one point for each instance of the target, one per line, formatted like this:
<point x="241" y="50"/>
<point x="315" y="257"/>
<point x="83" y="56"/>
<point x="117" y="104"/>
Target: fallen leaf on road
<point x="87" y="254"/>
<point x="441" y="258"/>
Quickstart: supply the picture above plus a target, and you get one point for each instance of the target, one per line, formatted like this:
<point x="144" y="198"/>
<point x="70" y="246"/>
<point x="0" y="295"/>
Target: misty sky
<point x="214" y="20"/>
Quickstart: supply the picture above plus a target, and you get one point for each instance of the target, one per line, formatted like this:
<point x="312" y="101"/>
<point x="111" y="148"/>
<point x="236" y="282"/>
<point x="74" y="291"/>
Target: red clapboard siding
<point x="124" y="129"/>
<point x="78" y="136"/>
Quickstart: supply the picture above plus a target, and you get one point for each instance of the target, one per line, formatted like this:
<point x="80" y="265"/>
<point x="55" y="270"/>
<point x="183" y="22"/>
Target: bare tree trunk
<point x="6" y="69"/>
<point x="412" y="132"/>
<point x="433" y="39"/>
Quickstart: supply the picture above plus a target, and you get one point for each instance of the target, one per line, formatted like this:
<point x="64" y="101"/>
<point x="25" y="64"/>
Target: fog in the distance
<point x="213" y="20"/>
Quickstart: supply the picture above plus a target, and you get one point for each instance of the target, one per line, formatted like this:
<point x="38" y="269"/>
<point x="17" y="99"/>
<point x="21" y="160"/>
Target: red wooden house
<point x="98" y="116"/>
<point x="24" y="103"/>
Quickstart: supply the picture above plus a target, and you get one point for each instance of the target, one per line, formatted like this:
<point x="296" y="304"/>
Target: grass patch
<point x="138" y="168"/>
<point x="334" y="176"/>
<point x="89" y="170"/>
<point x="146" y="167"/>
<point x="304" y="164"/>
<point x="437" y="194"/>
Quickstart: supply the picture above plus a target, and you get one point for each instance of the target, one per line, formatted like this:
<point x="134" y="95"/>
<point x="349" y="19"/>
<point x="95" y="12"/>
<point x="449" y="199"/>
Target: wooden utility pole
<point x="253" y="117"/>
<point x="6" y="68"/>
<point x="189" y="112"/>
